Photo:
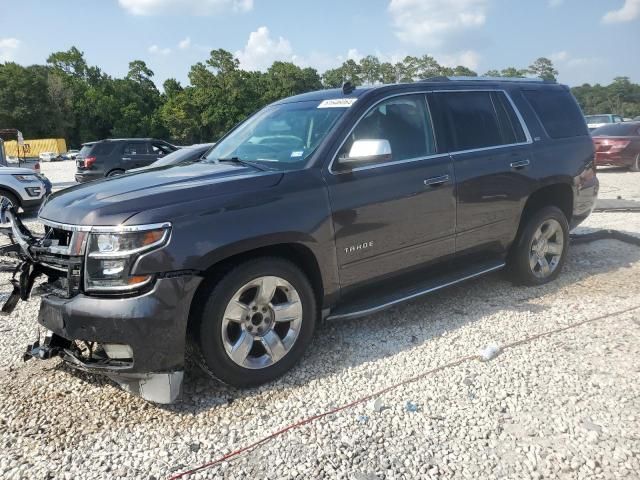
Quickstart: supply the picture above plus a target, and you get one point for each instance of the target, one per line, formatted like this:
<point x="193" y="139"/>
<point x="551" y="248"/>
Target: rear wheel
<point x="115" y="173"/>
<point x="541" y="248"/>
<point x="257" y="322"/>
<point x="635" y="166"/>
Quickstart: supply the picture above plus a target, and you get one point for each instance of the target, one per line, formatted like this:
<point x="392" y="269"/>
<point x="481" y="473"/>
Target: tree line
<point x="70" y="99"/>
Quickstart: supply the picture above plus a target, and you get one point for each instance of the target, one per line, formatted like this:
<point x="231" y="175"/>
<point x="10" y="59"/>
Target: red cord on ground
<point x="455" y="363"/>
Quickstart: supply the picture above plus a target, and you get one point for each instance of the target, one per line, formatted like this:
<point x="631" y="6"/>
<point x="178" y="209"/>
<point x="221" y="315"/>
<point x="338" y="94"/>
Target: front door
<point x="135" y="155"/>
<point x="398" y="213"/>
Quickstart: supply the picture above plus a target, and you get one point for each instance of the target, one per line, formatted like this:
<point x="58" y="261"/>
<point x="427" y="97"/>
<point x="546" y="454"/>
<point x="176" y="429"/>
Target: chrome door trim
<point x="525" y="129"/>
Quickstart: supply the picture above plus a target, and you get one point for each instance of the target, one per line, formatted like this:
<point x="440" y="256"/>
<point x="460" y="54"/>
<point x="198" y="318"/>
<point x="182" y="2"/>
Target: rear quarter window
<point x="558" y="111"/>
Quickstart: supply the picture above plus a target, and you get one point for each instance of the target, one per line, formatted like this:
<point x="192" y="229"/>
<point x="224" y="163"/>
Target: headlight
<point x="26" y="178"/>
<point x="111" y="256"/>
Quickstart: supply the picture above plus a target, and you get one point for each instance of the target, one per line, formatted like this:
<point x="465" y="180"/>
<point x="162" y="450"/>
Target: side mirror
<point x="365" y="151"/>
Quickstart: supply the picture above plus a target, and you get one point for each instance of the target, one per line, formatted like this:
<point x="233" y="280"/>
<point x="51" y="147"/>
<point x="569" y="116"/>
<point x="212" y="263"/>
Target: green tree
<point x="543" y="68"/>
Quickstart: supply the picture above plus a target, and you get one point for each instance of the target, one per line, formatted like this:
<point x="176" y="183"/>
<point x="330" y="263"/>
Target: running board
<point x="382" y="302"/>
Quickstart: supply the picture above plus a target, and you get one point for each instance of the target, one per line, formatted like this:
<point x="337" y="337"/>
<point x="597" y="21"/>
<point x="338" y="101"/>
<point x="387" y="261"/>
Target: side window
<point x="137" y="148"/>
<point x="558" y="112"/>
<point x="404" y="121"/>
<point x="160" y="149"/>
<point x="617" y="119"/>
<point x="510" y="125"/>
<point x="473" y="119"/>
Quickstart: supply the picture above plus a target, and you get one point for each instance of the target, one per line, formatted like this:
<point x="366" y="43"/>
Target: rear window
<point x="104" y="148"/>
<point x="618" y="130"/>
<point x="481" y="120"/>
<point x="558" y="112"/>
<point x="598" y="119"/>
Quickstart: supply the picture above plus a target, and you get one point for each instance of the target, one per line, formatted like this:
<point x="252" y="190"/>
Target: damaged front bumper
<point x="136" y="340"/>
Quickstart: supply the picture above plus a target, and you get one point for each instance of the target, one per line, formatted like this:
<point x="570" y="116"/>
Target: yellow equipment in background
<point x="33" y="148"/>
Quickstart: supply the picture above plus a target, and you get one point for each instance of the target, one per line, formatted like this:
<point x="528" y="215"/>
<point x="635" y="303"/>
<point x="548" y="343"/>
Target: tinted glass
<point x="618" y="130"/>
<point x="403" y="121"/>
<point x="103" y="148"/>
<point x="558" y="112"/>
<point x="473" y="119"/>
<point x="510" y="125"/>
<point x="84" y="151"/>
<point x="139" y="148"/>
<point x="161" y="149"/>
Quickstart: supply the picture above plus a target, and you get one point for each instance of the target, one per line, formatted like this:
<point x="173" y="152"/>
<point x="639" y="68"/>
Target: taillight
<point x="36" y="167"/>
<point x="89" y="161"/>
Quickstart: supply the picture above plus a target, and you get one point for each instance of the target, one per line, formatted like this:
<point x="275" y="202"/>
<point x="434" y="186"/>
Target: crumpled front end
<point x="136" y="338"/>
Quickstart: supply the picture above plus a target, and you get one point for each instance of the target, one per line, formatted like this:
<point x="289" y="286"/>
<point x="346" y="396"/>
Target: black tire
<point x="12" y="198"/>
<point x="218" y="297"/>
<point x="518" y="262"/>
<point x="635" y="166"/>
<point x="115" y="173"/>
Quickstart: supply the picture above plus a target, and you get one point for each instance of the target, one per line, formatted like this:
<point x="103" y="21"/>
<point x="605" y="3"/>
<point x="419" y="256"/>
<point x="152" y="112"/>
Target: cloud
<point x="429" y="22"/>
<point x="467" y="58"/>
<point x="555" y="3"/>
<point x="629" y="11"/>
<point x="8" y="46"/>
<point x="184" y="44"/>
<point x="156" y="50"/>
<point x="185" y="7"/>
<point x="262" y="50"/>
<point x="559" y="56"/>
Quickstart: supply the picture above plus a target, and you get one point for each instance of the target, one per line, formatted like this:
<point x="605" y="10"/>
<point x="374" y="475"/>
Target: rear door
<point x="135" y="154"/>
<point x="491" y="153"/>
<point x="398" y="213"/>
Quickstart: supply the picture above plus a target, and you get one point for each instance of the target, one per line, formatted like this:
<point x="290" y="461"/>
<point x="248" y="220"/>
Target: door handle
<point x="436" y="181"/>
<point x="126" y="158"/>
<point x="519" y="164"/>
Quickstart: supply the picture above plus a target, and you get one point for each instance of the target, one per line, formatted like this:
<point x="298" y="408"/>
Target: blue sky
<point x="589" y="40"/>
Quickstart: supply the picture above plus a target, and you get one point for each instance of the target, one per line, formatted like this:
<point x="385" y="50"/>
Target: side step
<point x="378" y="299"/>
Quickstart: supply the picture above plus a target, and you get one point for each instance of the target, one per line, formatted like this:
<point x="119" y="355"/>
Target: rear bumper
<point x="88" y="176"/>
<point x="153" y="325"/>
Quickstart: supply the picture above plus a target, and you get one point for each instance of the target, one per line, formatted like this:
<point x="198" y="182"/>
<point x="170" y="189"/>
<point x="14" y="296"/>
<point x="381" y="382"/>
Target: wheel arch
<point x="560" y="194"/>
<point x="298" y="253"/>
<point x="8" y="189"/>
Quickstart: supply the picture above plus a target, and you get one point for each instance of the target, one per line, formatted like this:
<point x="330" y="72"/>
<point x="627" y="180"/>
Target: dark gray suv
<point x="328" y="205"/>
<point x="109" y="158"/>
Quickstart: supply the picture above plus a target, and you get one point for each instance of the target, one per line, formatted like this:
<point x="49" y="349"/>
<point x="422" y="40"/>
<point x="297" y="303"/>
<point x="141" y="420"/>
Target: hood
<point x="112" y="201"/>
<point x="16" y="171"/>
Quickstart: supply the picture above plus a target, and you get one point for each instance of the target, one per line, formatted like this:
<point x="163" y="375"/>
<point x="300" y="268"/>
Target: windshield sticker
<point x="337" y="103"/>
<point x="297" y="153"/>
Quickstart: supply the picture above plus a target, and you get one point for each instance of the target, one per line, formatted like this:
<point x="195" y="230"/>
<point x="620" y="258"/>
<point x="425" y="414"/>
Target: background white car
<point x="47" y="156"/>
<point x="22" y="188"/>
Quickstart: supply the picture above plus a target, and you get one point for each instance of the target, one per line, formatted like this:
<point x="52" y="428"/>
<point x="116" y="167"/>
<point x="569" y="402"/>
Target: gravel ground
<point x="566" y="405"/>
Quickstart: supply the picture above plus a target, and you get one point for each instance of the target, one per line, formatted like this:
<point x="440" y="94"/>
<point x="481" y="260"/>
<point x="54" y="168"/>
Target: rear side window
<point x="103" y="148"/>
<point x="473" y="120"/>
<point x="137" y="148"/>
<point x="558" y="112"/>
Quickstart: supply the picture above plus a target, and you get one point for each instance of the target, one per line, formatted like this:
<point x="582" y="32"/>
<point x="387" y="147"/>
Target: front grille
<point x="61" y="253"/>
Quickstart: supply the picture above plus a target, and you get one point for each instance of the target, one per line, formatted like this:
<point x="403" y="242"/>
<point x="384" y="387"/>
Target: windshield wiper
<point x="243" y="162"/>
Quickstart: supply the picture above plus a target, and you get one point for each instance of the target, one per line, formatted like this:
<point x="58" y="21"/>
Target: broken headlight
<point x="111" y="256"/>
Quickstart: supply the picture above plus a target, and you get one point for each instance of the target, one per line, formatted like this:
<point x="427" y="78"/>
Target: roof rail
<point x="488" y="79"/>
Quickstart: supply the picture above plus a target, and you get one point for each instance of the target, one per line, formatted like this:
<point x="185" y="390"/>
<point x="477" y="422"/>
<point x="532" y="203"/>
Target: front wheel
<point x="541" y="248"/>
<point x="257" y="322"/>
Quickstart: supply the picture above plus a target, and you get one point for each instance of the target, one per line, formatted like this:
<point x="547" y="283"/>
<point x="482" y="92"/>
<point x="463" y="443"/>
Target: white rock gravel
<point x="563" y="406"/>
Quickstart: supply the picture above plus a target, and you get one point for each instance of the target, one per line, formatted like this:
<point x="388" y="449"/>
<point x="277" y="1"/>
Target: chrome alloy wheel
<point x="261" y="322"/>
<point x="546" y="248"/>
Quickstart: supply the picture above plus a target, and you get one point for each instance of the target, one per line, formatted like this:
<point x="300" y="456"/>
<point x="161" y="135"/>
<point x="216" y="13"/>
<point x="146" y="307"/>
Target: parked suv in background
<point x="22" y="188"/>
<point x="109" y="158"/>
<point x="332" y="204"/>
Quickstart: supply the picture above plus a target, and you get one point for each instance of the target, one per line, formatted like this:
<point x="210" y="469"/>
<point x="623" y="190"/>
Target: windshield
<point x="598" y="119"/>
<point x="279" y="136"/>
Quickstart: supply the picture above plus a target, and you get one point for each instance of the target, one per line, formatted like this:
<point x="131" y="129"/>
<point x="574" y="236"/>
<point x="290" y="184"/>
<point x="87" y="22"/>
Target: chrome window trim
<point x="525" y="128"/>
<point x="103" y="229"/>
